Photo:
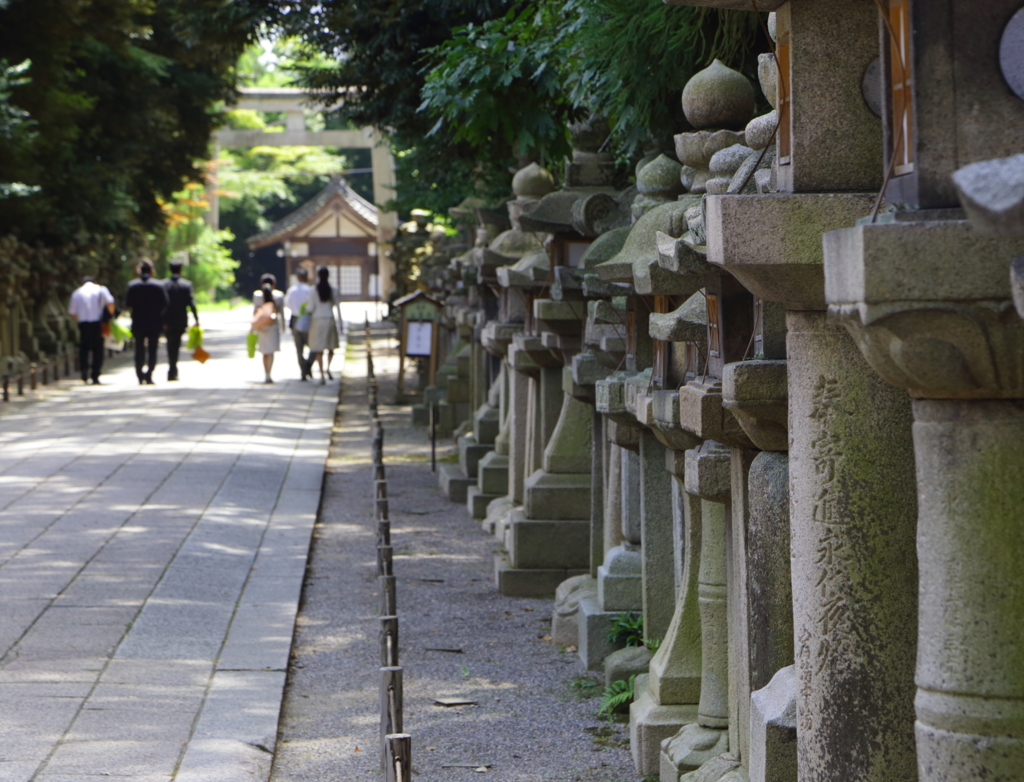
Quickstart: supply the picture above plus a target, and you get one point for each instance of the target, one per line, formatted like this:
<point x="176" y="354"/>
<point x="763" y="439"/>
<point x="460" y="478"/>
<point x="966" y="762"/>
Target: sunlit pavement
<point x="153" y="541"/>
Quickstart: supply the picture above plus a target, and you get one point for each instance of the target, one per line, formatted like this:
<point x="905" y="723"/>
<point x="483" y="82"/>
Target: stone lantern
<point x="509" y="267"/>
<point x="548" y="539"/>
<point x="927" y="296"/>
<point x="482" y="473"/>
<point x="829" y="143"/>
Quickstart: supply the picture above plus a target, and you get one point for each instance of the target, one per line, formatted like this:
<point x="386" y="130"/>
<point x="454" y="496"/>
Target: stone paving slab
<point x="153" y="543"/>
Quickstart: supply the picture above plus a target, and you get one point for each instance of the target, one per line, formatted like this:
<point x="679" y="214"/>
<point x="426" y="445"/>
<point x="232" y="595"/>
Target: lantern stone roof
<point x="336" y="196"/>
<point x="416" y="296"/>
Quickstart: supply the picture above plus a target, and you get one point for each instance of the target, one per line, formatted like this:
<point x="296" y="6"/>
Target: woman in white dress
<point x="323" y="329"/>
<point x="269" y="337"/>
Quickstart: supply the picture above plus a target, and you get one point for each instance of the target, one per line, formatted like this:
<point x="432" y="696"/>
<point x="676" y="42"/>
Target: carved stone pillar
<point x="760" y="594"/>
<point x="492" y="471"/>
<point x="707" y="476"/>
<point x="852" y="503"/>
<point x="655" y="536"/>
<point x="853" y="508"/>
<point x="953" y="340"/>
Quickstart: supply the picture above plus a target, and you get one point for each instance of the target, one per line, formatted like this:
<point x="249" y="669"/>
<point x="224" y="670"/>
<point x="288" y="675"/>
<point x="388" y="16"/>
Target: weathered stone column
<point x="770" y="603"/>
<point x="545" y="403"/>
<point x="519" y="401"/>
<point x="758" y="548"/>
<point x="675" y="670"/>
<point x="492" y="471"/>
<point x="612" y="496"/>
<point x="954" y="342"/>
<point x="768" y="749"/>
<point x="970" y="676"/>
<point x="548" y="539"/>
<point x="655" y="536"/>
<point x="708" y="477"/>
<point x="619" y="575"/>
<point x="599" y="456"/>
<point x="853" y="510"/>
<point x="618" y="581"/>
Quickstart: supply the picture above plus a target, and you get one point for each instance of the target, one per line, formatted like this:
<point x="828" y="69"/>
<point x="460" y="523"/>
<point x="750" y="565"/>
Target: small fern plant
<point x="617" y="697"/>
<point x="626" y="629"/>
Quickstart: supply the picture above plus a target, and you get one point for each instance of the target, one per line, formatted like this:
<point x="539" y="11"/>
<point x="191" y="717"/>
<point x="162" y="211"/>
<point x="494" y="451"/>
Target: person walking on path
<point x="87" y="306"/>
<point x="180" y="301"/>
<point x="269" y="334"/>
<point x="294" y="300"/>
<point x="147" y="299"/>
<point x="323" y="329"/>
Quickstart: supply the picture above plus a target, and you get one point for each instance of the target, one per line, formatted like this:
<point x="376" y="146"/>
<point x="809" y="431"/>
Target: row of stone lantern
<point x="700" y="391"/>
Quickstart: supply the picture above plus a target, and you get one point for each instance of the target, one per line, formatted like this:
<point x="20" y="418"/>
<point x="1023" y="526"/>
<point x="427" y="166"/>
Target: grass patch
<point x="584" y="687"/>
<point x="609" y="736"/>
<point x="450" y="458"/>
<point x="406" y="458"/>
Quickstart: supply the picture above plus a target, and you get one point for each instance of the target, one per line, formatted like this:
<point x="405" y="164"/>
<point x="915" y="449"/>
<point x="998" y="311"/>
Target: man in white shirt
<point x="87" y="306"/>
<point x="294" y="300"/>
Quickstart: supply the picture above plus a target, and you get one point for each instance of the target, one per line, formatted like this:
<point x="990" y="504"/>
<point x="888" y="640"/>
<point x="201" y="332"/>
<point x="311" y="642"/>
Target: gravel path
<point x="534" y="713"/>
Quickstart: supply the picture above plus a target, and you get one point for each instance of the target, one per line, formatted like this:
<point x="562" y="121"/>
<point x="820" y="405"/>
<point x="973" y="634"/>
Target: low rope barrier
<point x="48" y="369"/>
<point x="395" y="746"/>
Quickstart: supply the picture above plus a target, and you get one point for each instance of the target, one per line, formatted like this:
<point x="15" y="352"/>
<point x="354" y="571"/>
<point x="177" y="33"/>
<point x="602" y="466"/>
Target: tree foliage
<point x="631" y="59"/>
<point x="485" y="70"/>
<point x="187" y="237"/>
<point x="373" y="52"/>
<point x="263" y="184"/>
<point x="121" y="94"/>
<point x="524" y="76"/>
<point x="367" y="60"/>
<point x="463" y="89"/>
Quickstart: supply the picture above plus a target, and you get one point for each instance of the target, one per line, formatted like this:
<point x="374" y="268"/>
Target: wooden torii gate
<point x="294" y="103"/>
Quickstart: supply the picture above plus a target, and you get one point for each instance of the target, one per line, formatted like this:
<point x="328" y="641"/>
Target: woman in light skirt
<point x="323" y="328"/>
<point x="269" y="337"/>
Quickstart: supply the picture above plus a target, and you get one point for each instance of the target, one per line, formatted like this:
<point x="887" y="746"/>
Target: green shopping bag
<point x="118" y="331"/>
<point x="195" y="338"/>
<point x="250" y="344"/>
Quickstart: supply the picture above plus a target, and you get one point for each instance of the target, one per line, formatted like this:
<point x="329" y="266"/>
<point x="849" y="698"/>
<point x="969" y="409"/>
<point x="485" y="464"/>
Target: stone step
<point x="492" y="474"/>
<point x="548" y="543"/>
<point x="477" y="502"/>
<point x="557" y="495"/>
<point x="453" y="482"/>
<point x="486" y="425"/>
<point x="592" y="636"/>
<point x="470" y="454"/>
<point x="519" y="582"/>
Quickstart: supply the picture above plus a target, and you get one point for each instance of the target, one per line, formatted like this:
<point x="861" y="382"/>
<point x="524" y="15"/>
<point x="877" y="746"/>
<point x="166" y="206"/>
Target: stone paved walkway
<point x="153" y="542"/>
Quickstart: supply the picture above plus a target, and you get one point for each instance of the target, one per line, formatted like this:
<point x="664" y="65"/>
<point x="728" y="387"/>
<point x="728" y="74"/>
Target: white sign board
<point x="419" y="338"/>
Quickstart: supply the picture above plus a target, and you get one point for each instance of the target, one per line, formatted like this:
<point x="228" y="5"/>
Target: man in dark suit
<point x="181" y="300"/>
<point x="147" y="299"/>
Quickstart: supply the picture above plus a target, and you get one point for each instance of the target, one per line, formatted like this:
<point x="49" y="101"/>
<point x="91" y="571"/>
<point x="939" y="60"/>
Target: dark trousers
<point x="173" y="348"/>
<point x="90" y="343"/>
<point x="146" y="343"/>
<point x="301" y="339"/>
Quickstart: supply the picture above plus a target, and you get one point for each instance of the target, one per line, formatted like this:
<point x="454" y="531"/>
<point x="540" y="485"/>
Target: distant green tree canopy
<point x="372" y="51"/>
<point x="121" y="96"/>
<point x="465" y="90"/>
<point x="524" y="77"/>
<point x="367" y="58"/>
